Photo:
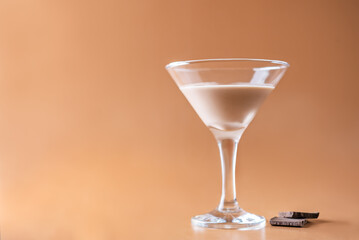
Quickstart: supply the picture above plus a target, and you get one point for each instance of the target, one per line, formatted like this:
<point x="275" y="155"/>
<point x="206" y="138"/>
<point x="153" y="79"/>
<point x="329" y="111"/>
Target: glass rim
<point x="279" y="64"/>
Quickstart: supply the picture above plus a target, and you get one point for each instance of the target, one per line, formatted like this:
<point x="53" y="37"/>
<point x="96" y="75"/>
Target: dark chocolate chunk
<point x="288" y="222"/>
<point x="299" y="215"/>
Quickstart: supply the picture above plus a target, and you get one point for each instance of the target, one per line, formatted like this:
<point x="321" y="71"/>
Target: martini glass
<point x="226" y="94"/>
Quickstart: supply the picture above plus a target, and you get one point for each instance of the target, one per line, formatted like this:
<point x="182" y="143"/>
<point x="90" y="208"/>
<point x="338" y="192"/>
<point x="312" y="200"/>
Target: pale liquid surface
<point x="226" y="107"/>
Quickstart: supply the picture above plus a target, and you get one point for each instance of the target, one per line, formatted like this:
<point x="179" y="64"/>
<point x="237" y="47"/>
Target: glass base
<point x="238" y="219"/>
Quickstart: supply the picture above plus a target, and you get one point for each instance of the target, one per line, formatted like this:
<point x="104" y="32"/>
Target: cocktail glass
<point x="226" y="94"/>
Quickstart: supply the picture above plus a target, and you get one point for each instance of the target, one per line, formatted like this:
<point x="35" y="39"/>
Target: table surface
<point x="324" y="228"/>
<point x="329" y="226"/>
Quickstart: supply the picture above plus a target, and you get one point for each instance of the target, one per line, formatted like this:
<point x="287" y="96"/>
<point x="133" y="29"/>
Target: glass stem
<point x="228" y="152"/>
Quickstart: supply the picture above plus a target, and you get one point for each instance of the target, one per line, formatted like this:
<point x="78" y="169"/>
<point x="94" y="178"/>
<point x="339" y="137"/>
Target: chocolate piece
<point x="288" y="222"/>
<point x="299" y="215"/>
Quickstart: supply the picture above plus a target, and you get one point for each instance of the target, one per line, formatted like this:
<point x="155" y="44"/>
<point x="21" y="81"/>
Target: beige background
<point x="96" y="141"/>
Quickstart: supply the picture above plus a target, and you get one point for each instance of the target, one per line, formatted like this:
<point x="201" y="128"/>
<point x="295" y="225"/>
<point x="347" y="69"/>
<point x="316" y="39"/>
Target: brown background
<point x="96" y="141"/>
